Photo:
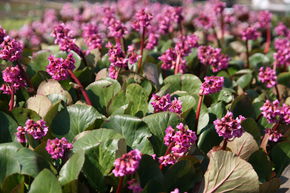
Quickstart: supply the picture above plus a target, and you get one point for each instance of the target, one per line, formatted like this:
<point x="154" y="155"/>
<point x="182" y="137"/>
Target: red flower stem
<point x="222" y="27"/>
<point x="120" y="184"/>
<point x="268" y="41"/>
<point x="176" y="70"/>
<point x="141" y="49"/>
<point x="24" y="75"/>
<point x="84" y="93"/>
<point x="197" y="114"/>
<point x="247" y="54"/>
<point x="277" y="92"/>
<point x="265" y="139"/>
<point x="11" y="102"/>
<point x="224" y="147"/>
<point x="167" y="152"/>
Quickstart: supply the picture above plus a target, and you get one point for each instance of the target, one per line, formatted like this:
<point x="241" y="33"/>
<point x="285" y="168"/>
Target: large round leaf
<point x="208" y="139"/>
<point x="101" y="92"/>
<point x="73" y="120"/>
<point x="261" y="164"/>
<point x="40" y="104"/>
<point x="157" y="124"/>
<point x="8" y="128"/>
<point x="45" y="182"/>
<point x="243" y="146"/>
<point x="229" y="173"/>
<point x="280" y="155"/>
<point x="284" y="78"/>
<point x="137" y="97"/>
<point x="72" y="168"/>
<point x="22" y="114"/>
<point x="134" y="130"/>
<point x="242" y="105"/>
<point x="183" y="82"/>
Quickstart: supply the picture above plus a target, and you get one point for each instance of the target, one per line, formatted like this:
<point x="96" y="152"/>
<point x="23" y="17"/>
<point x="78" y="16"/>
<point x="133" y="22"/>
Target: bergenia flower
<point x="127" y="164"/>
<point x="267" y="76"/>
<point x="250" y="33"/>
<point x="204" y="21"/>
<point x="13" y="77"/>
<point x="282" y="30"/>
<point x="10" y="49"/>
<point x="282" y="55"/>
<point x="20" y="134"/>
<point x="264" y="18"/>
<point x="271" y="111"/>
<point x="2" y="34"/>
<point x="37" y="129"/>
<point x="57" y="147"/>
<point x="58" y="67"/>
<point x="142" y="20"/>
<point x="229" y="127"/>
<point x="91" y="36"/>
<point x="164" y="103"/>
<point x="211" y="85"/>
<point x="134" y="185"/>
<point x="274" y="135"/>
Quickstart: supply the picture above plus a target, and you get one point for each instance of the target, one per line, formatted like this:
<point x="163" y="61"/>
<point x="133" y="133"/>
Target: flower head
<point x="271" y="111"/>
<point x="211" y="84"/>
<point x="274" y="135"/>
<point x="127" y="164"/>
<point x="37" y="129"/>
<point x="264" y="19"/>
<point x="228" y="127"/>
<point x="164" y="103"/>
<point x="10" y="49"/>
<point x="267" y="76"/>
<point x="2" y="34"/>
<point x="91" y="36"/>
<point x="204" y="21"/>
<point x="13" y="76"/>
<point x="282" y="30"/>
<point x="134" y="186"/>
<point x="58" y="67"/>
<point x="250" y="33"/>
<point x="142" y="20"/>
<point x="57" y="147"/>
<point x="20" y="134"/>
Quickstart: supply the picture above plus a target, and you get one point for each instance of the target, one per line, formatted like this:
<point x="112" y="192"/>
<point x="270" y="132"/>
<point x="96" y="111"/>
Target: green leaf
<point x="261" y="164"/>
<point x="22" y="114"/>
<point x="31" y="163"/>
<point x="236" y="177"/>
<point x="45" y="182"/>
<point x="284" y="79"/>
<point x="188" y="102"/>
<point x="8" y="128"/>
<point x="245" y="80"/>
<point x="8" y="163"/>
<point x="243" y="146"/>
<point x="72" y="168"/>
<point x="39" y="60"/>
<point x="134" y="130"/>
<point x="258" y="60"/>
<point x="101" y="92"/>
<point x="119" y="104"/>
<point x="280" y="155"/>
<point x="217" y="109"/>
<point x="138" y="98"/>
<point x="208" y="139"/>
<point x="13" y="184"/>
<point x="102" y="147"/>
<point x="73" y="120"/>
<point x="182" y="82"/>
<point x="252" y="127"/>
<point x="242" y="105"/>
<point x="157" y="124"/>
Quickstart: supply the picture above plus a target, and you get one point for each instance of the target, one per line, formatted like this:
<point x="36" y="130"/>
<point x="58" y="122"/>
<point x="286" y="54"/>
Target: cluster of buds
<point x="37" y="129"/>
<point x="57" y="147"/>
<point x="267" y="76"/>
<point x="211" y="85"/>
<point x="164" y="103"/>
<point x="13" y="79"/>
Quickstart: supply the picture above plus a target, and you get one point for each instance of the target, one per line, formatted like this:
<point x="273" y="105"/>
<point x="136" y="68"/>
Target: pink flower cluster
<point x="213" y="57"/>
<point x="92" y="37"/>
<point x="204" y="21"/>
<point x="14" y="78"/>
<point x="228" y="127"/>
<point x="264" y="19"/>
<point x="2" y="34"/>
<point x="274" y="135"/>
<point x="282" y="55"/>
<point x="250" y="33"/>
<point x="10" y="49"/>
<point x="275" y="113"/>
<point x="211" y="85"/>
<point x="57" y="147"/>
<point x="267" y="76"/>
<point x="37" y="129"/>
<point x="64" y="38"/>
<point x="164" y="103"/>
<point x="282" y="30"/>
<point x="128" y="163"/>
<point x="179" y="142"/>
<point x="134" y="186"/>
<point x="142" y="20"/>
<point x="58" y="67"/>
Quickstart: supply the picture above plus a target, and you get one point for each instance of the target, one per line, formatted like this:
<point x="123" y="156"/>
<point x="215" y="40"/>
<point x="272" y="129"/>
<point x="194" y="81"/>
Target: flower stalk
<point x="120" y="184"/>
<point x="247" y="54"/>
<point x="141" y="49"/>
<point x="197" y="114"/>
<point x="268" y="40"/>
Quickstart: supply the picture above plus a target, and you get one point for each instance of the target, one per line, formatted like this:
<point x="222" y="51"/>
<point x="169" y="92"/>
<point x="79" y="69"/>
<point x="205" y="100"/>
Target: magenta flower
<point x="250" y="33"/>
<point x="282" y="30"/>
<point x="58" y="67"/>
<point x="282" y="56"/>
<point x="271" y="111"/>
<point x="133" y="57"/>
<point x="117" y="29"/>
<point x="169" y="59"/>
<point x="10" y="49"/>
<point x="228" y="127"/>
<point x="185" y="44"/>
<point x="20" y="134"/>
<point x="179" y="141"/>
<point x="267" y="76"/>
<point x="57" y="147"/>
<point x="113" y="72"/>
<point x="12" y="75"/>
<point x="91" y="36"/>
<point x="274" y="135"/>
<point x="2" y="34"/>
<point x="164" y="103"/>
<point x="264" y="19"/>
<point x="285" y="113"/>
<point x="134" y="185"/>
<point x="142" y="20"/>
<point x="218" y="6"/>
<point x="213" y="57"/>
<point x="204" y="21"/>
<point x="37" y="129"/>
<point x="128" y="163"/>
<point x="152" y="41"/>
<point x="211" y="85"/>
<point x="116" y="56"/>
